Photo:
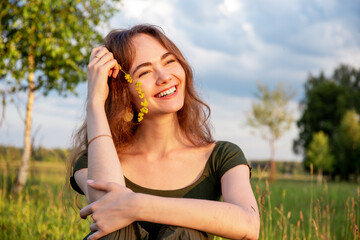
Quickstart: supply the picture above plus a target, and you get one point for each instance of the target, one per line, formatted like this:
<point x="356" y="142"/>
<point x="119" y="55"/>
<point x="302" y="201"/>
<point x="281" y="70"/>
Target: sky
<point x="231" y="45"/>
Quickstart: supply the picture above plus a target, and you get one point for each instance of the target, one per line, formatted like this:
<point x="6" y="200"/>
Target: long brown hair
<point x="193" y="117"/>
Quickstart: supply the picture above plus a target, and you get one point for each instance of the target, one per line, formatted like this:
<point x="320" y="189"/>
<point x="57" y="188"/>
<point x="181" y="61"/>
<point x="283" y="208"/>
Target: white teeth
<point x="167" y="92"/>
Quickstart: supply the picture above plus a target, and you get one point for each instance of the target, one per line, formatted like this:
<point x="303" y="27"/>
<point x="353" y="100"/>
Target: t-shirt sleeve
<point x="81" y="163"/>
<point x="229" y="156"/>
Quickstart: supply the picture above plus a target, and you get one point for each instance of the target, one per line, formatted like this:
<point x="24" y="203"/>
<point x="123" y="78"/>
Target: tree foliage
<point x="45" y="46"/>
<point x="271" y="116"/>
<point x="347" y="145"/>
<point x="319" y="154"/>
<point x="327" y="99"/>
<point x="59" y="34"/>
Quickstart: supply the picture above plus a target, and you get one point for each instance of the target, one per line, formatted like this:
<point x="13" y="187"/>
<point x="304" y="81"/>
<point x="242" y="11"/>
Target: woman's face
<point x="161" y="74"/>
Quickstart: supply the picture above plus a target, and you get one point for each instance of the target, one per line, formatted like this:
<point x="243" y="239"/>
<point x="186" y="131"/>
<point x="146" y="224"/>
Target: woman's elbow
<point x="252" y="230"/>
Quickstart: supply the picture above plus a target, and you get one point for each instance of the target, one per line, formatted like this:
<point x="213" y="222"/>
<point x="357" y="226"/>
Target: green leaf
<point x="59" y="34"/>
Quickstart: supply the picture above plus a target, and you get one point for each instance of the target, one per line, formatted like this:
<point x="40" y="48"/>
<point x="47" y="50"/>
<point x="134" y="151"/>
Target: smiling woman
<point x="161" y="178"/>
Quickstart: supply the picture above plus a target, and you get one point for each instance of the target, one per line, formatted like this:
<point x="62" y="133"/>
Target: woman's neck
<point x="159" y="135"/>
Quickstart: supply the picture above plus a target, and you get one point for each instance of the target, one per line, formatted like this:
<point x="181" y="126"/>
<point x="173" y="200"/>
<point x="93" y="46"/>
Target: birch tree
<point x="45" y="46"/>
<point x="271" y="117"/>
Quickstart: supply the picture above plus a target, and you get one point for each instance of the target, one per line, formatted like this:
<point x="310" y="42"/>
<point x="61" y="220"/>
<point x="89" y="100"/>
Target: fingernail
<point x="89" y="181"/>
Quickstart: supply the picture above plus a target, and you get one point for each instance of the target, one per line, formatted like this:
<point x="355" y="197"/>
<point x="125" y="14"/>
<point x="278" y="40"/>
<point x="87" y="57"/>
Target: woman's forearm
<point x="103" y="161"/>
<point x="218" y="218"/>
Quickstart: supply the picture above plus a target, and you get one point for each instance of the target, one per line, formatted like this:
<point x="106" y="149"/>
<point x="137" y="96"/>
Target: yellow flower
<point x="140" y="116"/>
<point x="144" y="103"/>
<point x="128" y="78"/>
<point x="141" y="93"/>
<point x="144" y="110"/>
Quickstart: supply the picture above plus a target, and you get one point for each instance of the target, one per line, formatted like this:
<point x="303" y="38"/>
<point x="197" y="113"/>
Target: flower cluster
<point x="141" y="93"/>
<point x="144" y="104"/>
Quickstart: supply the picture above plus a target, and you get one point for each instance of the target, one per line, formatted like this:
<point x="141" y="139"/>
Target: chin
<point x="173" y="108"/>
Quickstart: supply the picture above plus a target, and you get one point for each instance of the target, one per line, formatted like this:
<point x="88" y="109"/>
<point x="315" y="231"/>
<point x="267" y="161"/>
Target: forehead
<point x="147" y="49"/>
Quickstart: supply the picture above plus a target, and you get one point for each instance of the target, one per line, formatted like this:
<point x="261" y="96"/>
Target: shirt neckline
<point x="153" y="191"/>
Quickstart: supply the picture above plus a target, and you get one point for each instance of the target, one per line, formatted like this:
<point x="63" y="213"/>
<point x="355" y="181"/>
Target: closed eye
<point x="170" y="61"/>
<point x="143" y="73"/>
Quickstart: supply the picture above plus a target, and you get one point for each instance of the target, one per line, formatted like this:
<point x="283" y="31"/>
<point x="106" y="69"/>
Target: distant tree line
<point x="282" y="167"/>
<point x="329" y="127"/>
<point x="41" y="154"/>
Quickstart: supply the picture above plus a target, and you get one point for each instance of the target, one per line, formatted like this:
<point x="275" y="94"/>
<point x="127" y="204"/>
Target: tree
<point x="319" y="155"/>
<point x="325" y="103"/>
<point x="319" y="111"/>
<point x="45" y="46"/>
<point x="271" y="116"/>
<point x="347" y="145"/>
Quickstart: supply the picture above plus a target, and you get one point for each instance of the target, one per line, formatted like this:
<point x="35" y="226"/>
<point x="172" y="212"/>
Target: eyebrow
<point x="149" y="63"/>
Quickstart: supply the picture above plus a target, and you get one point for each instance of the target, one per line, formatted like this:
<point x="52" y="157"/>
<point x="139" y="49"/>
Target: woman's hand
<point x="101" y="66"/>
<point x="115" y="210"/>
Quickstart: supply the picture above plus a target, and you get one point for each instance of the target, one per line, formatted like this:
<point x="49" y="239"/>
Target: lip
<point x="168" y="96"/>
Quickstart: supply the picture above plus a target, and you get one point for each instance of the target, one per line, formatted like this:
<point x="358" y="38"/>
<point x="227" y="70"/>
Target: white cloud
<point x="157" y="12"/>
<point x="151" y="10"/>
<point x="230" y="44"/>
<point x="229" y="7"/>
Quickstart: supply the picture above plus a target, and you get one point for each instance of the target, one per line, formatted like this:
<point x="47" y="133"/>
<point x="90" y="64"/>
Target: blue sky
<point x="231" y="44"/>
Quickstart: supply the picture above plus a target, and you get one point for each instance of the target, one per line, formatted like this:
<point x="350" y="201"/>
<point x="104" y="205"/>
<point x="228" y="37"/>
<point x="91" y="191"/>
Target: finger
<point x="113" y="65"/>
<point x="101" y="185"/>
<point x="93" y="227"/>
<point x="116" y="70"/>
<point x="98" y="53"/>
<point x="96" y="235"/>
<point x="86" y="211"/>
<point x="94" y="51"/>
<point x="100" y="61"/>
<point x="103" y="51"/>
<point x="105" y="58"/>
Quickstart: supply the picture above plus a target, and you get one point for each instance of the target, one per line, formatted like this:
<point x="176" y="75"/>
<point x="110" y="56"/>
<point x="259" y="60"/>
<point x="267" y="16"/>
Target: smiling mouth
<point x="167" y="92"/>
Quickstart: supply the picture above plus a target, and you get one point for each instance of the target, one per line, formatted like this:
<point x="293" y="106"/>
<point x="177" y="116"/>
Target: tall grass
<point x="303" y="209"/>
<point x="42" y="210"/>
<point x="293" y="209"/>
<point x="290" y="209"/>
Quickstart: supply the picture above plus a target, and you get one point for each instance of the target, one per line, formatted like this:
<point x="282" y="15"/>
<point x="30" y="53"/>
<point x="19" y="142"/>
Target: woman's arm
<point x="236" y="218"/>
<point x="103" y="161"/>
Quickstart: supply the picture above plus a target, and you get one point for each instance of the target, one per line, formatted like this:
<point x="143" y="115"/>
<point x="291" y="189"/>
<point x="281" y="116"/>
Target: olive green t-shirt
<point x="224" y="156"/>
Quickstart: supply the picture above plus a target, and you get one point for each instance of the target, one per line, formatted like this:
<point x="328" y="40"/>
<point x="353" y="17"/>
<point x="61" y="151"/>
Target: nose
<point x="163" y="78"/>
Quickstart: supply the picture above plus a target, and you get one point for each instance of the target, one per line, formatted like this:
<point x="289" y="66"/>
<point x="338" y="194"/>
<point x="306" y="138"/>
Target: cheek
<point x="134" y="96"/>
<point x="180" y="72"/>
<point x="182" y="78"/>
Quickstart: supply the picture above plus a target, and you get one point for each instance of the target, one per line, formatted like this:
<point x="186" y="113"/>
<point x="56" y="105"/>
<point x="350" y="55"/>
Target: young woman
<point x="150" y="168"/>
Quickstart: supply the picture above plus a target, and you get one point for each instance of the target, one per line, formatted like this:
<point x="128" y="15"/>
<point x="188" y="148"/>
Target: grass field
<point x="290" y="209"/>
